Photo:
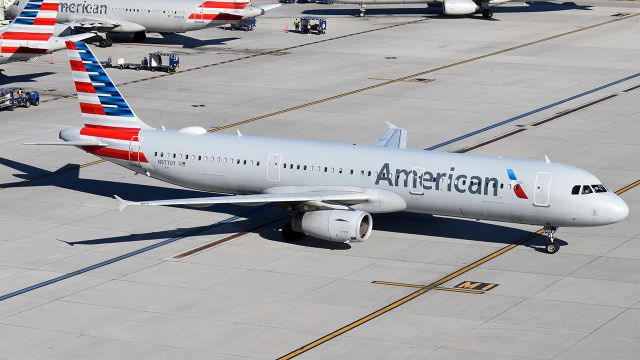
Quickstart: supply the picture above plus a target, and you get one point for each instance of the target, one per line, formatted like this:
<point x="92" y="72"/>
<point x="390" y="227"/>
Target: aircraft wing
<point x="393" y="138"/>
<point x="258" y="199"/>
<point x="104" y="25"/>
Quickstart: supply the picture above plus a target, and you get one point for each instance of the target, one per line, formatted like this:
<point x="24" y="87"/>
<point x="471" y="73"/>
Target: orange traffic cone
<point x="286" y="27"/>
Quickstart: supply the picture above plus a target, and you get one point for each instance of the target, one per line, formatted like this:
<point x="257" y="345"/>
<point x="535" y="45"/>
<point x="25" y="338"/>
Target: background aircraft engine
<point x="459" y="7"/>
<point x="334" y="225"/>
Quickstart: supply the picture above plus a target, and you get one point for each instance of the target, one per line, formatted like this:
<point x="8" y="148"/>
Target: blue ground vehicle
<point x="246" y="24"/>
<point x="313" y="25"/>
<point x="13" y="98"/>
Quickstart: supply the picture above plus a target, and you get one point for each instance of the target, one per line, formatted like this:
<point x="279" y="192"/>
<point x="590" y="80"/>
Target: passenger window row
<point x="325" y="169"/>
<point x="588" y="189"/>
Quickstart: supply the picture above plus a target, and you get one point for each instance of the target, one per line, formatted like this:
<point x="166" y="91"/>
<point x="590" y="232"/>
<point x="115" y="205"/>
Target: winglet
<point x="122" y="204"/>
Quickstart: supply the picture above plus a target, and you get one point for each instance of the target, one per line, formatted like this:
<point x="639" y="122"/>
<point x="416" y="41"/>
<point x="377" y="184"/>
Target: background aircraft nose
<point x="618" y="210"/>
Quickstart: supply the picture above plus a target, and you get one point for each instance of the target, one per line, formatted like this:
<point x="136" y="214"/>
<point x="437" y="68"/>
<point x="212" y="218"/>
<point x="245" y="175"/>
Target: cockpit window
<point x="575" y="190"/>
<point x="586" y="190"/>
<point x="599" y="188"/>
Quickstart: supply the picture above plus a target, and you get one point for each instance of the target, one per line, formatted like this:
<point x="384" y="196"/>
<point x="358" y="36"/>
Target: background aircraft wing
<point x="104" y="25"/>
<point x="393" y="138"/>
<point x="258" y="199"/>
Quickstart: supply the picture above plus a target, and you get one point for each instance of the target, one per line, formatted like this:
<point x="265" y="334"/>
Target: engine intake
<point x="459" y="7"/>
<point x="334" y="225"/>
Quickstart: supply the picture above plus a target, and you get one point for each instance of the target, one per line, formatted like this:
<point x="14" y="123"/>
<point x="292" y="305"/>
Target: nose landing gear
<point x="487" y="13"/>
<point x="363" y="10"/>
<point x="550" y="232"/>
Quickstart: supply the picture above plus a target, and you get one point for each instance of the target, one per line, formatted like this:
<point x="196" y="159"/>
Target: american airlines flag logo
<point x="517" y="185"/>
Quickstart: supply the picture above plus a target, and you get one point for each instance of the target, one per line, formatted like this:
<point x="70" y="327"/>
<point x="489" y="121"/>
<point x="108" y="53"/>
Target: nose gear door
<point x="543" y="188"/>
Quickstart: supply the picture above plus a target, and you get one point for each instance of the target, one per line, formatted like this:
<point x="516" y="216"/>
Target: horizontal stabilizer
<point x="69" y="143"/>
<point x="258" y="199"/>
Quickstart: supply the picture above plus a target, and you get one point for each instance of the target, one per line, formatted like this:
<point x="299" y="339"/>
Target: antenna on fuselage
<point x="239" y="133"/>
<point x="546" y="159"/>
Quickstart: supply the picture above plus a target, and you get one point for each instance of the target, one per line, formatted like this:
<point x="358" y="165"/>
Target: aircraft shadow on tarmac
<point x="541" y="6"/>
<point x="406" y="223"/>
<point x="175" y="39"/>
<point x="22" y="78"/>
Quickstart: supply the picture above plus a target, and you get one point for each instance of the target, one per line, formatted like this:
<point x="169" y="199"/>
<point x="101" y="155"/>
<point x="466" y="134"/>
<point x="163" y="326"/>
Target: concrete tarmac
<point x="78" y="279"/>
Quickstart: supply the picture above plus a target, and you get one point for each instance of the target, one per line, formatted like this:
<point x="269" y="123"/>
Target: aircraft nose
<point x="618" y="210"/>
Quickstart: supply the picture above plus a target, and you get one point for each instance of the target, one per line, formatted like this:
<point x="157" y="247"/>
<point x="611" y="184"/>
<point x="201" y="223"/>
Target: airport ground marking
<point x="517" y="131"/>
<point x="408" y="77"/>
<point x="391" y="283"/>
<point x="540" y="109"/>
<point x="128" y="255"/>
<point x="425" y="289"/>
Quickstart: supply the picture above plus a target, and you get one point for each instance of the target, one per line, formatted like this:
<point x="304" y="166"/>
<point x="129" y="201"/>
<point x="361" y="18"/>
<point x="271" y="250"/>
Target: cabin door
<point x="542" y="190"/>
<point x="199" y="15"/>
<point x="273" y="167"/>
<point x="134" y="151"/>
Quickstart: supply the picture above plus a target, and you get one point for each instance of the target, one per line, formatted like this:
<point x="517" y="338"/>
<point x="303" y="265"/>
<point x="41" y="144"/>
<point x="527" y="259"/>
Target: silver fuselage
<point x="460" y="185"/>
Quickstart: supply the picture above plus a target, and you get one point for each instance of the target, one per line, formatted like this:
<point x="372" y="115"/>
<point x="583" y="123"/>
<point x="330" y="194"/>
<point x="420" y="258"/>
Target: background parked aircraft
<point x="31" y="33"/>
<point x="142" y="16"/>
<point x="449" y="7"/>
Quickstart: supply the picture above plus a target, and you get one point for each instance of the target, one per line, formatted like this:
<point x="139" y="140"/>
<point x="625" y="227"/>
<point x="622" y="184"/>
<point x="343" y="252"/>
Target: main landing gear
<point x="105" y="42"/>
<point x="288" y="234"/>
<point x="550" y="232"/>
<point x="487" y="13"/>
<point x="363" y="10"/>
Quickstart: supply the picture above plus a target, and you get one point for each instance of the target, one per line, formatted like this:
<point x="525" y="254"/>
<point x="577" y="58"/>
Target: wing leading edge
<point x="258" y="199"/>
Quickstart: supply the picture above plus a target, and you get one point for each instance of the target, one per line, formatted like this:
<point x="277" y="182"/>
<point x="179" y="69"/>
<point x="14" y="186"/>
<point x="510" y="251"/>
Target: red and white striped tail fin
<point x="101" y="104"/>
<point x="31" y="30"/>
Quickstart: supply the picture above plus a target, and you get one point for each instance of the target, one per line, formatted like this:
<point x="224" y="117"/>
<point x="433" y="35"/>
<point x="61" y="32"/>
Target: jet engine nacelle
<point x="334" y="225"/>
<point x="252" y="11"/>
<point x="459" y="7"/>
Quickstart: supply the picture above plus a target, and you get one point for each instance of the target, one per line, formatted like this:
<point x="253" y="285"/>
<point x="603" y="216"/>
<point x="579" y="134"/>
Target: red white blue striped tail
<point x="31" y="30"/>
<point x="101" y="103"/>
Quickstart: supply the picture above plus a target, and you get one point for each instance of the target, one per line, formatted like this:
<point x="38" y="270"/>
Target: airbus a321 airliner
<point x="331" y="189"/>
<point x="142" y="16"/>
<point x="31" y="33"/>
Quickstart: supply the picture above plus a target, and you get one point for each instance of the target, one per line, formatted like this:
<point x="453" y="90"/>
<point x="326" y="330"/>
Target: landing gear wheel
<point x="102" y="43"/>
<point x="109" y="42"/>
<point x="288" y="234"/>
<point x="550" y="232"/>
<point x="487" y="14"/>
<point x="140" y="36"/>
<point x="552" y="248"/>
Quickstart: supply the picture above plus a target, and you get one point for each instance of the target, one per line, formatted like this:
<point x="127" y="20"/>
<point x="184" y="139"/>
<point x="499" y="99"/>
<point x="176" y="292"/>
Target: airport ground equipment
<point x="287" y="1"/>
<point x="313" y="25"/>
<point x="157" y="61"/>
<point x="13" y="98"/>
<point x="246" y="24"/>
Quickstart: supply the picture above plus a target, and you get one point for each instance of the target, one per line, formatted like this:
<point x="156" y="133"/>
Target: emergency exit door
<point x="273" y="167"/>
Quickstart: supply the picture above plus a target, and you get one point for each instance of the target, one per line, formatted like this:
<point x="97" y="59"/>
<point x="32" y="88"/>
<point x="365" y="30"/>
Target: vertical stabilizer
<point x="31" y="30"/>
<point x="101" y="104"/>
